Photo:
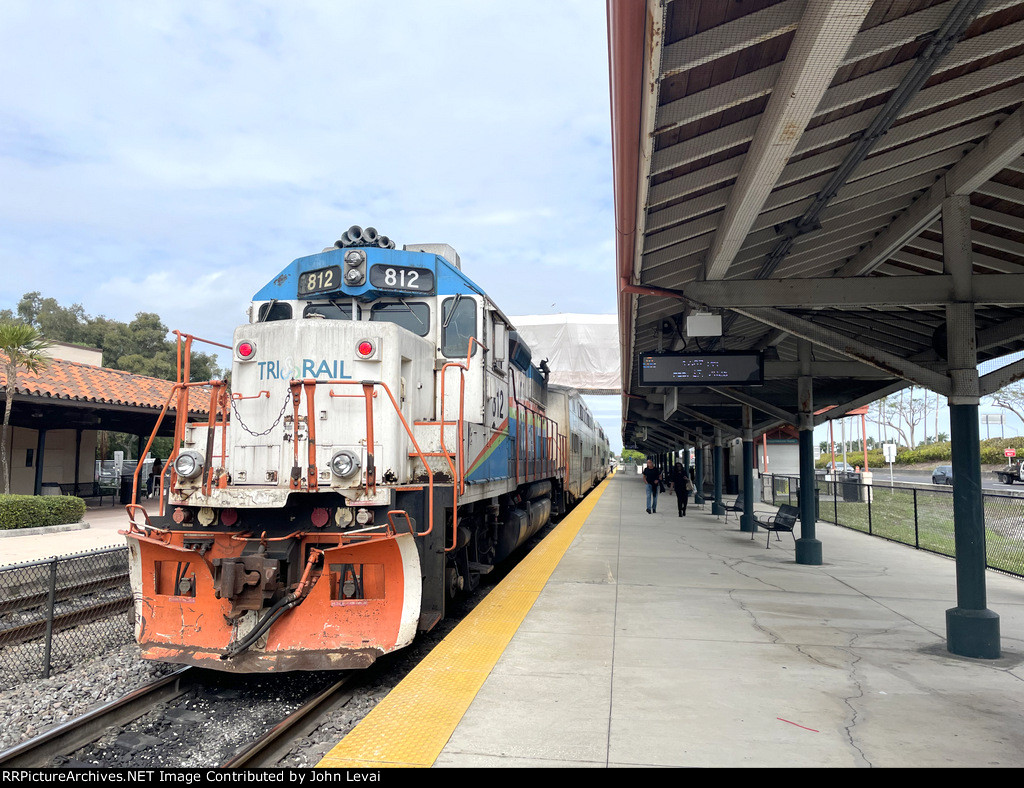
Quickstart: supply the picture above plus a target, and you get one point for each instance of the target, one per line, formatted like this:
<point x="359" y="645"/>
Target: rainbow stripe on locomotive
<point x="385" y="441"/>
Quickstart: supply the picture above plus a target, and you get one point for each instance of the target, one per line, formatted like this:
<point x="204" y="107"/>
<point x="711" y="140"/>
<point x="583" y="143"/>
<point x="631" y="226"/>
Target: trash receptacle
<point x="851" y="487"/>
<point x="126" y="490"/>
<point x="732" y="484"/>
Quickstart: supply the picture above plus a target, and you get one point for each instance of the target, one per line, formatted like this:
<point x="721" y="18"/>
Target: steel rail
<point x="34" y="599"/>
<point x="62" y="621"/>
<point x="272" y="746"/>
<point x="73" y="734"/>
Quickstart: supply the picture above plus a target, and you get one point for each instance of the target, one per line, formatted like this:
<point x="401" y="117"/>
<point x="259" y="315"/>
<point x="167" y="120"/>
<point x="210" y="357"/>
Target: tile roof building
<point x="58" y="411"/>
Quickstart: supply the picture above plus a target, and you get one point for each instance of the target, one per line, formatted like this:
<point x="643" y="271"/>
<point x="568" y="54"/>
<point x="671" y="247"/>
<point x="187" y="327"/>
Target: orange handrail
<point x="368" y="394"/>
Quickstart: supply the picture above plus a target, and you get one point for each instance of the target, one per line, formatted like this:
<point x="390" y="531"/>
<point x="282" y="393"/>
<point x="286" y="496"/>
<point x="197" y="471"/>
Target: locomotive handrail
<point x="459" y="474"/>
<point x="130" y="508"/>
<point x="369" y="392"/>
<point x="408" y="520"/>
<point x="152" y="437"/>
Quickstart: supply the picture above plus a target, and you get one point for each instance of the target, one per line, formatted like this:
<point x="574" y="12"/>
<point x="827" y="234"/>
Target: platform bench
<point x="735" y="506"/>
<point x="783" y="520"/>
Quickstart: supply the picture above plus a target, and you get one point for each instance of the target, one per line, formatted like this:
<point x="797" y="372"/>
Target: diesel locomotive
<point x="386" y="440"/>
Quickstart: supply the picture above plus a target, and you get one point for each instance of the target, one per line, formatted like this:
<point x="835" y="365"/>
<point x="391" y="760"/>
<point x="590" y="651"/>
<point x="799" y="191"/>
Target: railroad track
<point x="265" y="751"/>
<point x="274" y="745"/>
<point x="31" y="630"/>
<point x="34" y="599"/>
<point x="73" y="734"/>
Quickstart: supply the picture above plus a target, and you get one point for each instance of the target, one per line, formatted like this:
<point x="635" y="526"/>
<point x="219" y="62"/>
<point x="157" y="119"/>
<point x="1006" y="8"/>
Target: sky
<point x="173" y="157"/>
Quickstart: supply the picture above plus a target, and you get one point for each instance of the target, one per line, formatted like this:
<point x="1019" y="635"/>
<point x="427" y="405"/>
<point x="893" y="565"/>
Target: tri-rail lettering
<point x="307" y="368"/>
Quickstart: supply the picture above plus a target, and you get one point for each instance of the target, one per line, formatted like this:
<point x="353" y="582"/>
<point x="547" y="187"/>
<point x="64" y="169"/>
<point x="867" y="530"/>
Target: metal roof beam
<point x="852" y="291"/>
<point x="1002" y="146"/>
<point x="1004" y="376"/>
<point x="861" y="351"/>
<point x="726" y="428"/>
<point x="790" y="370"/>
<point x="1001" y="334"/>
<point x="760" y="83"/>
<point x="825" y="32"/>
<point x="960" y="89"/>
<point x="761" y="405"/>
<point x="838" y="411"/>
<point x="722" y="40"/>
<point x="788" y="202"/>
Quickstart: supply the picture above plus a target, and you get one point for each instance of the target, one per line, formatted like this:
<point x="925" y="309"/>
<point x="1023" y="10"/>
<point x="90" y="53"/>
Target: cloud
<point x="174" y="157"/>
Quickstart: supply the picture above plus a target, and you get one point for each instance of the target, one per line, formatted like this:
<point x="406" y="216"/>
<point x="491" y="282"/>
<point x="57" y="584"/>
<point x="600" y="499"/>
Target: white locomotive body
<point x="386" y="440"/>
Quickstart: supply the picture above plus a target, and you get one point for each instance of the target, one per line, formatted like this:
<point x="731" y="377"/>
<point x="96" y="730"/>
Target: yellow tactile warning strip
<point x="413" y="723"/>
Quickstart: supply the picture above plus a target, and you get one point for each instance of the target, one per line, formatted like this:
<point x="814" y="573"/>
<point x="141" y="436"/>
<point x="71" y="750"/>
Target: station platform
<point x="634" y="640"/>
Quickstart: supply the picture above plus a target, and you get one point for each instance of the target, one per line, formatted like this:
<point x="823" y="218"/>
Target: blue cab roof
<point x="448" y="280"/>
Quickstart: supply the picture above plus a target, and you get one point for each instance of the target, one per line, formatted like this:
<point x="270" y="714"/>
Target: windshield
<point x="414" y="317"/>
<point x="333" y="310"/>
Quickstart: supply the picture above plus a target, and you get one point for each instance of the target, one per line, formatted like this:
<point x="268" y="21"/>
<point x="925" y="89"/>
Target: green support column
<point x="716" y="465"/>
<point x="808" y="547"/>
<point x="971" y="629"/>
<point x="747" y="522"/>
<point x="698" y="470"/>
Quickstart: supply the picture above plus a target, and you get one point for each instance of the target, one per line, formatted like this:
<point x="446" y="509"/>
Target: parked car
<point x="943" y="475"/>
<point x="838" y="467"/>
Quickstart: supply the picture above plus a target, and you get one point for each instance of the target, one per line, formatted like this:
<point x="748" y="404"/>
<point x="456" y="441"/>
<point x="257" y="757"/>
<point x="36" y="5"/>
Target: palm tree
<point x="21" y="345"/>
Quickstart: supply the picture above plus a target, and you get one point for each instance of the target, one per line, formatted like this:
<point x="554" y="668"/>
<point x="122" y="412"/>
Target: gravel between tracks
<point x="32" y="707"/>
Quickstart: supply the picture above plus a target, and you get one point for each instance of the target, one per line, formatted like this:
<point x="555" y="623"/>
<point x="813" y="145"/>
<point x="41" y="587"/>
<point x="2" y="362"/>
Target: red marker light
<point x="246" y="350"/>
<point x="365" y="348"/>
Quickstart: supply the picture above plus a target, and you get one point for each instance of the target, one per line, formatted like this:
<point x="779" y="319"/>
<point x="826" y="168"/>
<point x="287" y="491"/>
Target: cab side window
<point x="499" y="342"/>
<point x="458" y="326"/>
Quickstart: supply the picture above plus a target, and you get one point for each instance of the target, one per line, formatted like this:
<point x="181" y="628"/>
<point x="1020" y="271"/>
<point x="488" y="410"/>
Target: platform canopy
<point x="582" y="351"/>
<point x="834" y="179"/>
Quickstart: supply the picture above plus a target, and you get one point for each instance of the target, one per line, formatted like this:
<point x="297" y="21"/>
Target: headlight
<point x="188" y="464"/>
<point x="344" y="463"/>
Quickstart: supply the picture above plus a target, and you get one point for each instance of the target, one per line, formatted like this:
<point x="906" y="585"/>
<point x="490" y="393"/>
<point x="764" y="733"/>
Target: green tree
<point x="22" y="347"/>
<point x="141" y="347"/>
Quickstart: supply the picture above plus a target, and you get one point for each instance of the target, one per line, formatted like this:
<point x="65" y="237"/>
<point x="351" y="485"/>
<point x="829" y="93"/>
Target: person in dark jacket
<point x="154" y="477"/>
<point x="652" y="476"/>
<point x="682" y="485"/>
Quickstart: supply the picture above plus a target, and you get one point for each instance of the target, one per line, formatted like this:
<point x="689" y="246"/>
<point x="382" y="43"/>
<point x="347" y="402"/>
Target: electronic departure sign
<point x="702" y="369"/>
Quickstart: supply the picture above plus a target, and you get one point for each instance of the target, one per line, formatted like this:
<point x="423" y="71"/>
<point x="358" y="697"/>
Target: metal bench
<point x="735" y="506"/>
<point x="783" y="520"/>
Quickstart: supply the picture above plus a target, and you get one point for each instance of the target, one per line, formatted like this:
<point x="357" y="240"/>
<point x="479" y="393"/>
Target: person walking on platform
<point x="682" y="485"/>
<point x="652" y="476"/>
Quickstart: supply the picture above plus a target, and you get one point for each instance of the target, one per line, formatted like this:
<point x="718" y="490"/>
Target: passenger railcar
<point x="386" y="440"/>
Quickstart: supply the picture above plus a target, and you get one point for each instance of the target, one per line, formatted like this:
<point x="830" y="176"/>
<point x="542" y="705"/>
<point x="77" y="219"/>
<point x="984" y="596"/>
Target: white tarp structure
<point x="582" y="350"/>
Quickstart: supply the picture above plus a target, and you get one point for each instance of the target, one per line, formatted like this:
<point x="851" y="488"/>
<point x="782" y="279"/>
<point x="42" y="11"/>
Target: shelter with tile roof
<point x="58" y="411"/>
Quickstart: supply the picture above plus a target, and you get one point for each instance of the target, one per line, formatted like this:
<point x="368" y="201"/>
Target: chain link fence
<point x="922" y="518"/>
<point x="60" y="611"/>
